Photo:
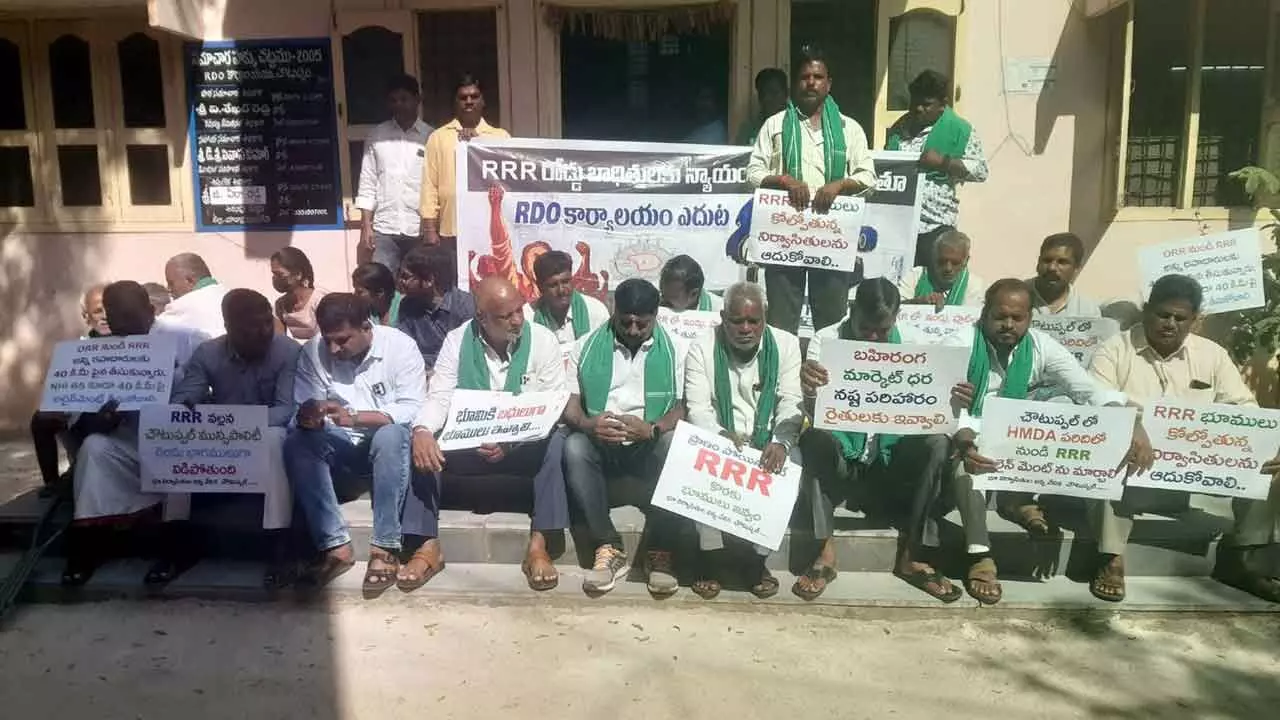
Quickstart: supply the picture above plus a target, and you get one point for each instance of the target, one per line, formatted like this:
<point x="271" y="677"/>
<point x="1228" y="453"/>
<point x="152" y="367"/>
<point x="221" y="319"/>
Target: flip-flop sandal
<point x="165" y="570"/>
<point x="1105" y="579"/>
<point x="377" y="580"/>
<point x="78" y="574"/>
<point x="985" y="566"/>
<point x="540" y="584"/>
<point x="424" y="576"/>
<point x="818" y="573"/>
<point x="767" y="587"/>
<point x="328" y="569"/>
<point x="924" y="580"/>
<point x="1028" y="517"/>
<point x="706" y="588"/>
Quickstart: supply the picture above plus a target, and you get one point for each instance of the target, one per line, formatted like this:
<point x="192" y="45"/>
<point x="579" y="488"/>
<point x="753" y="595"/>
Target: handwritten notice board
<point x="264" y="145"/>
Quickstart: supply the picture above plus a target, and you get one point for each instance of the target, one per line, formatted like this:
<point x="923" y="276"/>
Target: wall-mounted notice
<point x="263" y="140"/>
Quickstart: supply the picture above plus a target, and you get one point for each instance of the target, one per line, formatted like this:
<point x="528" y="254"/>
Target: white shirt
<point x="700" y="383"/>
<point x="544" y="372"/>
<point x="597" y="315"/>
<point x="1077" y="305"/>
<point x="391" y="177"/>
<point x="200" y="310"/>
<point x="907" y="333"/>
<point x="974" y="293"/>
<point x="389" y="379"/>
<point x="626" y="387"/>
<point x="766" y="156"/>
<point x="185" y="342"/>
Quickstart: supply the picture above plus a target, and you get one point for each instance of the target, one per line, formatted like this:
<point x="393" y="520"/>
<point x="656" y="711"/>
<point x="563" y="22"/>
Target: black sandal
<point x="767" y="586"/>
<point x="324" y="571"/>
<point x="818" y="573"/>
<point x="165" y="570"/>
<point x="924" y="579"/>
<point x="78" y="572"/>
<point x="708" y="586"/>
<point x="378" y="580"/>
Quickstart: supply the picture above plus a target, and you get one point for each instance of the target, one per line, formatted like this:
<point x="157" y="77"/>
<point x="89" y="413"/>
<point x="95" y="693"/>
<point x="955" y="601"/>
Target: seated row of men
<point x="355" y="406"/>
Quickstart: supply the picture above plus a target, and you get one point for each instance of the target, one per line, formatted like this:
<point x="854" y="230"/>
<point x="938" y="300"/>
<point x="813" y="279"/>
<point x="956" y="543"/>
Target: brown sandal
<point x="983" y="571"/>
<point x="1030" y="518"/>
<point x="1108" y="583"/>
<point x="423" y="567"/>
<point x="377" y="580"/>
<point x="540" y="584"/>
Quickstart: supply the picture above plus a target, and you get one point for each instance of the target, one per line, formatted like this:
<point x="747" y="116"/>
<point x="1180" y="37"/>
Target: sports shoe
<point x="611" y="564"/>
<point x="662" y="577"/>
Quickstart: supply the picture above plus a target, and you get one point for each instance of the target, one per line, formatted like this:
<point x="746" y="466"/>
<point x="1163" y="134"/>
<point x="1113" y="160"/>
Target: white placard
<point x="1211" y="449"/>
<point x="134" y="370"/>
<point x="479" y="417"/>
<point x="1055" y="449"/>
<point x="953" y="320"/>
<point x="1080" y="335"/>
<point x="1228" y="267"/>
<point x="782" y="235"/>
<point x="685" y="327"/>
<point x="709" y="481"/>
<point x="213" y="448"/>
<point x="883" y="388"/>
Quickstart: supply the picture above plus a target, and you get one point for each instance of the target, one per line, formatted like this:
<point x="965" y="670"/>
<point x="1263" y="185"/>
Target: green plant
<point x="1258" y="330"/>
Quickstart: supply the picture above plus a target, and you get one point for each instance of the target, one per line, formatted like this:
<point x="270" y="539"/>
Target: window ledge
<point x="1168" y="214"/>
<point x="91" y="226"/>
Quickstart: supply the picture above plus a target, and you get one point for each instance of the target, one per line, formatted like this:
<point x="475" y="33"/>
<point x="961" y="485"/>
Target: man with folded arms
<point x="559" y="308"/>
<point x="1009" y="357"/>
<point x="743" y="381"/>
<point x="497" y="351"/>
<point x="947" y="280"/>
<point x="905" y="471"/>
<point x="628" y="381"/>
<point x="1159" y="359"/>
<point x="358" y="387"/>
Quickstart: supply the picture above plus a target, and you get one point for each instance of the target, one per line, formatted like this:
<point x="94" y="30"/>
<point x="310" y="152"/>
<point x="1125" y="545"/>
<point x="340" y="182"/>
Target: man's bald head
<point x="499" y="310"/>
<point x="183" y="271"/>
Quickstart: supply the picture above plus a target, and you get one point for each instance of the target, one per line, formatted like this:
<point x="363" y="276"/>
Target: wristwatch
<point x="657" y="431"/>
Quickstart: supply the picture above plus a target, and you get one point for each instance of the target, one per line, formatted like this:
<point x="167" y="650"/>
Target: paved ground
<point x="18" y="472"/>
<point x="398" y="659"/>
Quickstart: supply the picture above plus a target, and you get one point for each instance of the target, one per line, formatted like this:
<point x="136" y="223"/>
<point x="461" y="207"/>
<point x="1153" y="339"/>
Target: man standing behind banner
<point x="946" y="280"/>
<point x="564" y="311"/>
<point x="628" y="381"/>
<point x="1159" y="359"/>
<point x="743" y="381"/>
<point x="905" y="471"/>
<point x="1008" y="358"/>
<point x="815" y="154"/>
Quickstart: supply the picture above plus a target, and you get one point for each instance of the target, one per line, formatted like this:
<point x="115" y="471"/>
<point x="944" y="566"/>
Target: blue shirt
<point x="216" y="374"/>
<point x="429" y="326"/>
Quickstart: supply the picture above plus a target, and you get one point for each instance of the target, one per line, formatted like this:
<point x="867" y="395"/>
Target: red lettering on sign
<point x="707" y="461"/>
<point x="733" y="469"/>
<point x="760" y="481"/>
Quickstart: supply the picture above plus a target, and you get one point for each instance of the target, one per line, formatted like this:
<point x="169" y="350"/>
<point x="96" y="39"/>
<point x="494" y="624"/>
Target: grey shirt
<point x="216" y="374"/>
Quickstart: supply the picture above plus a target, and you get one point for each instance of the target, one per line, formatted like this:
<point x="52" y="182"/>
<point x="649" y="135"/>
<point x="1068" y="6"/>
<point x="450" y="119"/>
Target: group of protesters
<point x="359" y="384"/>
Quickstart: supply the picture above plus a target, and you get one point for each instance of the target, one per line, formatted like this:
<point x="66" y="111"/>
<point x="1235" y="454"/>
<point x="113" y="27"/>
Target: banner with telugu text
<point x="1210" y="449"/>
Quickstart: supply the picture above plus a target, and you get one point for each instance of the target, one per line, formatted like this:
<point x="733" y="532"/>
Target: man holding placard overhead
<point x="815" y="154"/>
<point x="1162" y="359"/>
<point x="1008" y="358"/>
<point x="946" y="280"/>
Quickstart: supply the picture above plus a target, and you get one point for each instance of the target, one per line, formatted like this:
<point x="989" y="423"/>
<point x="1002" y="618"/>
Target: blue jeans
<point x="391" y="249"/>
<point x="316" y="459"/>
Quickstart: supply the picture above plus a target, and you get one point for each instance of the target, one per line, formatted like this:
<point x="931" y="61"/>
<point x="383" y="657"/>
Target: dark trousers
<point x="47" y="431"/>
<point x="828" y="296"/>
<point x="909" y="488"/>
<point x="588" y="468"/>
<point x="925" y="243"/>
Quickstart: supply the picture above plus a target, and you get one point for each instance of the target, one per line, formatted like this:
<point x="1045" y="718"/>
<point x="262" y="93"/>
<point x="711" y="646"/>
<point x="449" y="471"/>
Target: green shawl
<point x="577" y="309"/>
<point x="1017" y="379"/>
<point x="767" y="367"/>
<point x="393" y="313"/>
<point x="854" y="444"/>
<point x="704" y="301"/>
<point x="595" y="373"/>
<point x="949" y="136"/>
<point x="473" y="371"/>
<point x="204" y="282"/>
<point x="955" y="296"/>
<point x="834" y="151"/>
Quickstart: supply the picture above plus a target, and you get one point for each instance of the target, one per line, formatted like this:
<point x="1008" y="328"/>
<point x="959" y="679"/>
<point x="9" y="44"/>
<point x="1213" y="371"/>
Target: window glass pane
<point x="846" y="33"/>
<point x="919" y="40"/>
<point x="1158" y="102"/>
<point x="453" y="43"/>
<point x="13" y="110"/>
<point x="1232" y="81"/>
<point x="148" y="174"/>
<point x="355" y="149"/>
<point x="78" y="170"/>
<point x="371" y="56"/>
<point x="71" y="81"/>
<point x="16" y="188"/>
<point x="141" y="82"/>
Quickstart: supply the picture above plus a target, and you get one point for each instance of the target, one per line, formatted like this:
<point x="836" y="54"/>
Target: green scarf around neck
<point x="473" y="371"/>
<point x="955" y="296"/>
<point x="949" y="136"/>
<point x="204" y="282"/>
<point x="854" y="444"/>
<point x="393" y="313"/>
<point x="704" y="301"/>
<point x="1017" y="378"/>
<point x="767" y="370"/>
<point x="834" y="151"/>
<point x="595" y="373"/>
<point x="577" y="310"/>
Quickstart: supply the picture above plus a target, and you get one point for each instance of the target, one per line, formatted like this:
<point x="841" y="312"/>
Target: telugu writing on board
<point x="883" y="388"/>
<point x="934" y="325"/>
<point x="1080" y="335"/>
<point x="480" y="417"/>
<point x="782" y="235"/>
<point x="263" y="135"/>
<point x="1228" y="267"/>
<point x="206" y="449"/>
<point x="686" y="327"/>
<point x="1053" y="448"/>
<point x="708" y="480"/>
<point x="1211" y="449"/>
<point x="134" y="370"/>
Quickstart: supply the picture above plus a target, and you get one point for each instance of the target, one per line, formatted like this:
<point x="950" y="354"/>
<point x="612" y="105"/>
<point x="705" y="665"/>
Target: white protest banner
<point x="1080" y="335"/>
<point x="1055" y="449"/>
<point x="939" y="326"/>
<point x="685" y="327"/>
<point x="213" y="448"/>
<point x="1211" y="449"/>
<point x="623" y="209"/>
<point x="83" y="375"/>
<point x="479" y="417"/>
<point x="708" y="480"/>
<point x="894" y="389"/>
<point x="1228" y="267"/>
<point x="782" y="235"/>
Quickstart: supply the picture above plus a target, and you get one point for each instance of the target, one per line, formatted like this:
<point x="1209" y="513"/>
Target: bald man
<point x="497" y="351"/>
<point x="196" y="297"/>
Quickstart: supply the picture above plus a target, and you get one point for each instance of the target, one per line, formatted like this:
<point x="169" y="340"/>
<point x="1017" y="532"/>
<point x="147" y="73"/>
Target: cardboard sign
<point x="135" y="370"/>
<point x="1211" y="449"/>
<point x="213" y="448"/>
<point x="480" y="417"/>
<point x="1228" y="267"/>
<point x="1055" y="449"/>
<point x="708" y="480"/>
<point x="952" y="321"/>
<point x="895" y="389"/>
<point x="782" y="235"/>
<point x="685" y="327"/>
<point x="1080" y="335"/>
